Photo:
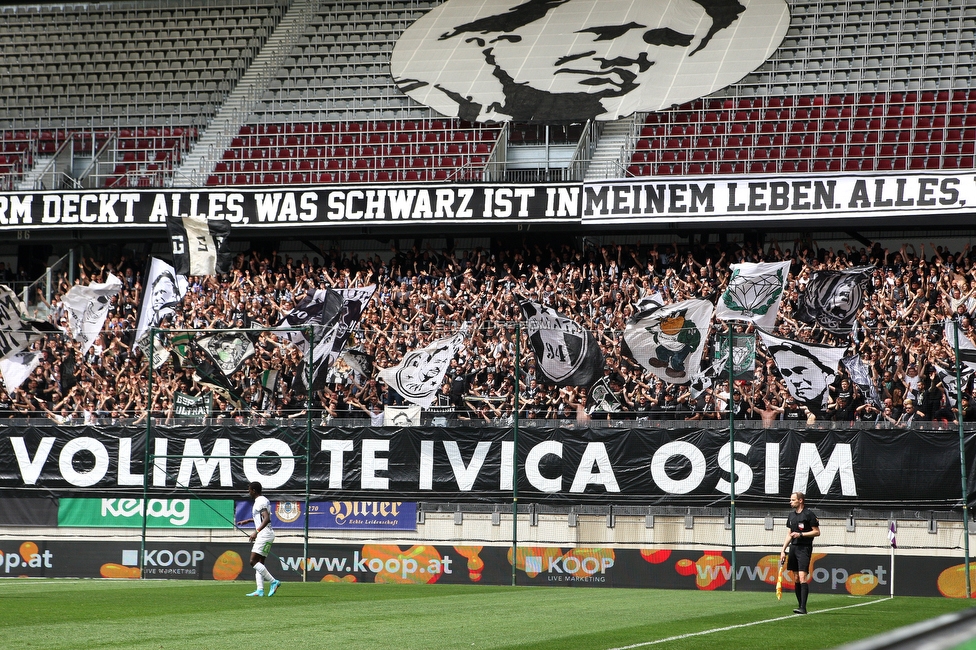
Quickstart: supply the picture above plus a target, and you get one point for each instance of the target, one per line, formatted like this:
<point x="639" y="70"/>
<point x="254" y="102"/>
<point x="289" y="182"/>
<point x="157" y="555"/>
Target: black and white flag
<point x="967" y="350"/>
<point x="227" y="350"/>
<point x="807" y="369"/>
<point x="87" y="307"/>
<point x="354" y="302"/>
<point x="421" y="372"/>
<point x="833" y="299"/>
<point x="319" y="311"/>
<point x="360" y="362"/>
<point x="161" y="295"/>
<point x="669" y="341"/>
<point x="566" y="354"/>
<point x="16" y="368"/>
<point x="755" y="293"/>
<point x="200" y="245"/>
<point x="16" y="331"/>
<point x="601" y="398"/>
<point x="948" y="378"/>
<point x="861" y="376"/>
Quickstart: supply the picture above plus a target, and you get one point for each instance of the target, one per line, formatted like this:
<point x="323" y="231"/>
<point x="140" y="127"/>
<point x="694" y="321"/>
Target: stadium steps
<point x="236" y="110"/>
<point x="613" y="148"/>
<point x="30" y="180"/>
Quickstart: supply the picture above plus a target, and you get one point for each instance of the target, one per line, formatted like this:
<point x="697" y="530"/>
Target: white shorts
<point x="262" y="543"/>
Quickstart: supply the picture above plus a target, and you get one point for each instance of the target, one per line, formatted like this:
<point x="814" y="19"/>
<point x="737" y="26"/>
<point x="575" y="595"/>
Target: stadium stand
<point x="855" y="86"/>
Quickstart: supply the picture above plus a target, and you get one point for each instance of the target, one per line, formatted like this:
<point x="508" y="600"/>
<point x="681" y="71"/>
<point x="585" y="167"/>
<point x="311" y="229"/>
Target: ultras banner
<point x="640" y="200"/>
<point x="682" y="466"/>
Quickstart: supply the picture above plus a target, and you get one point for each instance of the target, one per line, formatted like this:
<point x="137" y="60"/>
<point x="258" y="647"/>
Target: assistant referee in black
<point x="804" y="526"/>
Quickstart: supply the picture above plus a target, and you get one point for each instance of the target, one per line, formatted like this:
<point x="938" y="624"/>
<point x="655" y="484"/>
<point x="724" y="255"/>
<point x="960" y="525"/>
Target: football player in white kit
<point x="263" y="536"/>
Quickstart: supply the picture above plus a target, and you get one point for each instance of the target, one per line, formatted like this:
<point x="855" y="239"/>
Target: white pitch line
<point x="741" y="625"/>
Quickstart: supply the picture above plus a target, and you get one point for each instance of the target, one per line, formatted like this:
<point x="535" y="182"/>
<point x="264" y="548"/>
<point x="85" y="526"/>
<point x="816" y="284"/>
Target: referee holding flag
<point x="804" y="526"/>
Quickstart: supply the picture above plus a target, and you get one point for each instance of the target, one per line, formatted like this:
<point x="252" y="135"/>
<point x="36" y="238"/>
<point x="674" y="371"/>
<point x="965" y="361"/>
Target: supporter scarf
<point x="566" y="354"/>
<point x="420" y="373"/>
<point x="669" y="341"/>
<point x="87" y="307"/>
<point x="754" y="293"/>
<point x="200" y="245"/>
<point x="833" y="299"/>
<point x="807" y="369"/>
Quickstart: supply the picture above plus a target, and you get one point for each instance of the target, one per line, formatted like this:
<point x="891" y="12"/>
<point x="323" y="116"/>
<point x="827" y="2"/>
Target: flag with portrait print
<point x="807" y="369"/>
<point x="200" y="245"/>
<point x="87" y="307"/>
<point x="833" y="299"/>
<point x="670" y="340"/>
<point x="566" y="353"/>
<point x="161" y="295"/>
<point x="320" y="312"/>
<point x="755" y="293"/>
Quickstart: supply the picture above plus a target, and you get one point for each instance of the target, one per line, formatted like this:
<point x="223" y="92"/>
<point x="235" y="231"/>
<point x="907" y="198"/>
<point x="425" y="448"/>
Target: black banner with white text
<point x="682" y="466"/>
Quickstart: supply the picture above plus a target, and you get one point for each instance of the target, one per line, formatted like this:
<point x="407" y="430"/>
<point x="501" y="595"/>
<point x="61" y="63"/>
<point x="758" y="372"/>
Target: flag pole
<point x="891" y="571"/>
<point x="515" y="423"/>
<point x="962" y="459"/>
<point x="732" y="450"/>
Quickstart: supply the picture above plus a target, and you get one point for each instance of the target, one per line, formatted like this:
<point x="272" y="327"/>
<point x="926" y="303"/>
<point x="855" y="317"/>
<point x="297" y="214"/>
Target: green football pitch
<point x="173" y="614"/>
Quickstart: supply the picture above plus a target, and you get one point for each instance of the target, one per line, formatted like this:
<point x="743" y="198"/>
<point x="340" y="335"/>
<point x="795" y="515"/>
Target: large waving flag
<point x="16" y="368"/>
<point x="566" y="354"/>
<point x="421" y="372"/>
<point x="200" y="245"/>
<point x="833" y="299"/>
<point x="321" y="311"/>
<point x="162" y="292"/>
<point x="743" y="355"/>
<point x="754" y="293"/>
<point x="227" y="350"/>
<point x="967" y="350"/>
<point x="87" y="307"/>
<point x="669" y="341"/>
<point x="17" y="333"/>
<point x="861" y="375"/>
<point x="807" y="369"/>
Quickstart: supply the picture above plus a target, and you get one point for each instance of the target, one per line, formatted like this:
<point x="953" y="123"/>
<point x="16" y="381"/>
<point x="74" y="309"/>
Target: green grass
<point x="171" y="614"/>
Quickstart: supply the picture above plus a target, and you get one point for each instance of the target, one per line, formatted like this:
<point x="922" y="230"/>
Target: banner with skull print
<point x="669" y="341"/>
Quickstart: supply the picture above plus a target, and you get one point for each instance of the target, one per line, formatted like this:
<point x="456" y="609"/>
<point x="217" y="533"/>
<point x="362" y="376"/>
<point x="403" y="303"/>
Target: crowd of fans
<point x="423" y="295"/>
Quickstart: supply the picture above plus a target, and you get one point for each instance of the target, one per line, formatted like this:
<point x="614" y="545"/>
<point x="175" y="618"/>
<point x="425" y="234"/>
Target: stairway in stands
<point x="241" y="102"/>
<point x="615" y="147"/>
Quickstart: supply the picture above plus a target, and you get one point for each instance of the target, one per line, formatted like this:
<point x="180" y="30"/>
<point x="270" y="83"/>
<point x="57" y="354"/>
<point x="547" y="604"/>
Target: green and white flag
<point x="743" y="356"/>
<point x="669" y="341"/>
<point x="754" y="293"/>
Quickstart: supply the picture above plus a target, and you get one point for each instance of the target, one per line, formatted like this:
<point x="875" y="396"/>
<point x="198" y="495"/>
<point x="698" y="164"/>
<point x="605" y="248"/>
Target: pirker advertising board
<point x="160" y="513"/>
<point x="721" y="199"/>
<point x="681" y="466"/>
<point x="552" y="566"/>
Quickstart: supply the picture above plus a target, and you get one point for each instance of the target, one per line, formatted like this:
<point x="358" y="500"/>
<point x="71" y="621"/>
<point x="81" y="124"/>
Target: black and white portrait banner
<point x="162" y="292"/>
<point x="807" y="369"/>
<point x="16" y="368"/>
<point x="200" y="245"/>
<point x="955" y="338"/>
<point x="566" y="354"/>
<point x="420" y="372"/>
<point x="754" y="293"/>
<point x="87" y="307"/>
<point x="833" y="299"/>
<point x="669" y="341"/>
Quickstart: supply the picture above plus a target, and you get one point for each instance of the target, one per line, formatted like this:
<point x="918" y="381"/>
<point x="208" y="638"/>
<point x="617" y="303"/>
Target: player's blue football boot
<point x="257" y="592"/>
<point x="274" y="587"/>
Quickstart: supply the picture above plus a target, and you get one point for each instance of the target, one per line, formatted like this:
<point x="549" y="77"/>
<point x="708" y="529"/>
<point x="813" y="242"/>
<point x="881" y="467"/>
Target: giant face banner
<point x="577" y="60"/>
<point x="677" y="466"/>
